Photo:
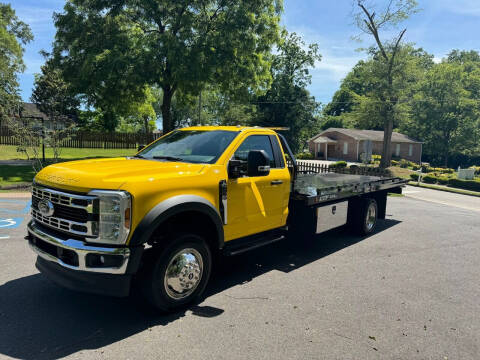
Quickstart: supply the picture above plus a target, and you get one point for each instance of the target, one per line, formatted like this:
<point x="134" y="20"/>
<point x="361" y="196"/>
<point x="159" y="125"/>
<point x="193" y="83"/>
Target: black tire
<point x="364" y="217"/>
<point x="154" y="280"/>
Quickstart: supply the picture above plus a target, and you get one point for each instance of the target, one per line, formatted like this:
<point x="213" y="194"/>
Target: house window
<point x="397" y="150"/>
<point x="345" y="148"/>
<point x="410" y="150"/>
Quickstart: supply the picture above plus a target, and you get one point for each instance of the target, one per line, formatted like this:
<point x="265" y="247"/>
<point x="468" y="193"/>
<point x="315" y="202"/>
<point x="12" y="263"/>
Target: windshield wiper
<point x="169" y="158"/>
<point x="139" y="156"/>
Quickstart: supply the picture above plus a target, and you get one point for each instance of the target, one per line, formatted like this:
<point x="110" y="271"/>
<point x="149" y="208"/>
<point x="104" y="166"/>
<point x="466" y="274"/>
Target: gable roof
<point x="29" y="110"/>
<point x="373" y="135"/>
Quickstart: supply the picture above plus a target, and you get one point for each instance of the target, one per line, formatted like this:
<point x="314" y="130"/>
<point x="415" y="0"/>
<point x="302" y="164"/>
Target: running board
<point x="246" y="244"/>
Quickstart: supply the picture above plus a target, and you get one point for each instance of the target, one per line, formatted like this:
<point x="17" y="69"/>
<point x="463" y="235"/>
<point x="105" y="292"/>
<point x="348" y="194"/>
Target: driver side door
<point x="258" y="203"/>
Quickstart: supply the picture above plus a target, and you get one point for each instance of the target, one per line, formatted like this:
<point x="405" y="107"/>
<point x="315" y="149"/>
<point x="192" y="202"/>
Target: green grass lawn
<point x="401" y="172"/>
<point x="15" y="175"/>
<point x="9" y="152"/>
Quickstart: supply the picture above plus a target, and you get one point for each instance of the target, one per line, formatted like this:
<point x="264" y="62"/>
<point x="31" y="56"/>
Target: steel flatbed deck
<point x="315" y="189"/>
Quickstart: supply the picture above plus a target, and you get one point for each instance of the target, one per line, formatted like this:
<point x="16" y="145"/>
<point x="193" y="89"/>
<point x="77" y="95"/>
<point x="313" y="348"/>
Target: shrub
<point x="429" y="179"/>
<point x="443" y="180"/>
<point x="414" y="177"/>
<point x="405" y="163"/>
<point x="476" y="168"/>
<point x="415" y="167"/>
<point x="376" y="157"/>
<point x="473" y="185"/>
<point x="305" y="156"/>
<point x="444" y="170"/>
<point x="339" y="164"/>
<point x="353" y="167"/>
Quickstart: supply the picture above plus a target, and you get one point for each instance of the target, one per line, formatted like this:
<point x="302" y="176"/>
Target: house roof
<point x="323" y="139"/>
<point x="30" y="110"/>
<point x="373" y="135"/>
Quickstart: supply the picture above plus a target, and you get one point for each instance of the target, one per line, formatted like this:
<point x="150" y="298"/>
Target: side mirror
<point x="141" y="147"/>
<point x="258" y="163"/>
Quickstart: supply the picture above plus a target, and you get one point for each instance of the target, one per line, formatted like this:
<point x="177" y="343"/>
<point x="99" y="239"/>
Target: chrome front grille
<point x="73" y="213"/>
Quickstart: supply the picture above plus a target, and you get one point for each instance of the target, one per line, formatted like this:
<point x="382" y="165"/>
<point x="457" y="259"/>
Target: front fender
<point x="173" y="206"/>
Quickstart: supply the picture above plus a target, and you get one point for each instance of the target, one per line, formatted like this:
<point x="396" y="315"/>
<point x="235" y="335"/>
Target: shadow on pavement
<point x="42" y="321"/>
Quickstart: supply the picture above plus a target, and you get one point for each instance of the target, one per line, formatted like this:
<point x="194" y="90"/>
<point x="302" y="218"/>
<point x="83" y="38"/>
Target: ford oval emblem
<point x="45" y="207"/>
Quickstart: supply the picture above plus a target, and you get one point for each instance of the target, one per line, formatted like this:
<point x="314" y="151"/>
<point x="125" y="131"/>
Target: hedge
<point x="339" y="164"/>
<point x="305" y="156"/>
<point x="473" y="185"/>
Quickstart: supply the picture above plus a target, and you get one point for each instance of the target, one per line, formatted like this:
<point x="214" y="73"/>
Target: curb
<point x="449" y="190"/>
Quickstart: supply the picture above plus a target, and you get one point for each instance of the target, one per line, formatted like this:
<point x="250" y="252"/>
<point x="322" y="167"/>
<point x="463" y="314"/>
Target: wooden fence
<point x="87" y="139"/>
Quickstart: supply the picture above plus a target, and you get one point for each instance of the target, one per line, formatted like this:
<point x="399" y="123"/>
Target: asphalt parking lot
<point x="409" y="291"/>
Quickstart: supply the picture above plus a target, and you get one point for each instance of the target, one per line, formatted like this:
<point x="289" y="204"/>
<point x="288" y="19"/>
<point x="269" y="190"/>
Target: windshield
<point x="194" y="146"/>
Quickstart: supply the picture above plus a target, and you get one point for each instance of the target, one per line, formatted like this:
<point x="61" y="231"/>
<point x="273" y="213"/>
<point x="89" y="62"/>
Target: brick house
<point x="355" y="145"/>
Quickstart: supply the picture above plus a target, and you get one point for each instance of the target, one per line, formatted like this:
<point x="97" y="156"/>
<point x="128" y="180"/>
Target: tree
<point x="14" y="34"/>
<point x="111" y="50"/>
<point x="141" y="116"/>
<point x="52" y="95"/>
<point x="287" y="103"/>
<point x="371" y="23"/>
<point x="357" y="104"/>
<point x="446" y="107"/>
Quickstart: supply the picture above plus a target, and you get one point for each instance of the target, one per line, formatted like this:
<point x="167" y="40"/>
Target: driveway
<point x="409" y="291"/>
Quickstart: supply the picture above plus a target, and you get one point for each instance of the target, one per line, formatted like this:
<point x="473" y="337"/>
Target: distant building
<point x="355" y="145"/>
<point x="29" y="113"/>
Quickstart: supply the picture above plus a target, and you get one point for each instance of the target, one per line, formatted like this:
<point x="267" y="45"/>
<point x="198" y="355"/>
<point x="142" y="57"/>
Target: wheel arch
<point x="195" y="209"/>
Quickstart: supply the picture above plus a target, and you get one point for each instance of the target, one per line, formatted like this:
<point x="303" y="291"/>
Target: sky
<point x="440" y="26"/>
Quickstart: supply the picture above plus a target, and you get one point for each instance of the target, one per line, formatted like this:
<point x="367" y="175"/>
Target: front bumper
<point x="78" y="266"/>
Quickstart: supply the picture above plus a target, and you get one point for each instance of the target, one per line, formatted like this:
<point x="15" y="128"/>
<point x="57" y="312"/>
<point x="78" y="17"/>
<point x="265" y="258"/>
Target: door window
<point x="255" y="142"/>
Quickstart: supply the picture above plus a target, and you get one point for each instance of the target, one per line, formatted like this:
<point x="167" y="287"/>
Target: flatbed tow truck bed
<point x="314" y="189"/>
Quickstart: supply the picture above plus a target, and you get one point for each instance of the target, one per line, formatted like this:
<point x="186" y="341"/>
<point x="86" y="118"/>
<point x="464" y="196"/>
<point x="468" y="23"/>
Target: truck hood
<point x="85" y="175"/>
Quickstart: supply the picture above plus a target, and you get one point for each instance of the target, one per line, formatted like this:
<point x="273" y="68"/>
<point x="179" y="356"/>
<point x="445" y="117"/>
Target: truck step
<point x="239" y="246"/>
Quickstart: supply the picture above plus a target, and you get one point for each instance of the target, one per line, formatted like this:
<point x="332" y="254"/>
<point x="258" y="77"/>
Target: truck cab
<point x="159" y="218"/>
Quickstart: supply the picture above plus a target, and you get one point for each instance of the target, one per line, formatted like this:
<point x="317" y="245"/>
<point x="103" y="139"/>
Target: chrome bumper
<point x="79" y="248"/>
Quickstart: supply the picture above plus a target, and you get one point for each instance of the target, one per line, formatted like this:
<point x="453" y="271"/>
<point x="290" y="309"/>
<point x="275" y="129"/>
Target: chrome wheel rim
<point x="183" y="274"/>
<point x="371" y="216"/>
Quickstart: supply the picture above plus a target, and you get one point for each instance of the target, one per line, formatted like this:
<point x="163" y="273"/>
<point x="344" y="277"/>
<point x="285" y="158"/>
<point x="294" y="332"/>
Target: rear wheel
<point x="364" y="217"/>
<point x="177" y="275"/>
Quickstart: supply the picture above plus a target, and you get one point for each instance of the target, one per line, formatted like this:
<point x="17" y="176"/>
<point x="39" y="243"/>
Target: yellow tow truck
<point x="158" y="218"/>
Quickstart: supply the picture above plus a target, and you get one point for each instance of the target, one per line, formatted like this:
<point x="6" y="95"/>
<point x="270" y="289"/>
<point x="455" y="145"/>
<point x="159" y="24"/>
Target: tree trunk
<point x="166" y="114"/>
<point x="387" y="144"/>
<point x="145" y="123"/>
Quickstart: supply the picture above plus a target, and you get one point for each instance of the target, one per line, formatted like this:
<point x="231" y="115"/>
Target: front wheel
<point x="178" y="274"/>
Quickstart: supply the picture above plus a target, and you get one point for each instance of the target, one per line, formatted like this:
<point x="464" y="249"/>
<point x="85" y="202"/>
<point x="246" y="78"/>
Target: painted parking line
<point x="10" y="223"/>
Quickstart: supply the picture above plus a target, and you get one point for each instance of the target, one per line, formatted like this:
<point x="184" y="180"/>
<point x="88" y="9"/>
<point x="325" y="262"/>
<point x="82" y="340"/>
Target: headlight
<point x="115" y="212"/>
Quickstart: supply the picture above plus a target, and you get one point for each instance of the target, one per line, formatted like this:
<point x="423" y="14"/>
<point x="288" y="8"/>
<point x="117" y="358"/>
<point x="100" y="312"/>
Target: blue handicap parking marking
<point x="25" y="210"/>
<point x="10" y="223"/>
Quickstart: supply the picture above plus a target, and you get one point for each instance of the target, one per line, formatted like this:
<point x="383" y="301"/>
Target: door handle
<point x="276" y="182"/>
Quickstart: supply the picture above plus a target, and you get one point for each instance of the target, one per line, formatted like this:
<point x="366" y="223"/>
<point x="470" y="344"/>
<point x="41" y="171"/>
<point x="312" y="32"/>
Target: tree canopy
<point x="14" y="35"/>
<point x="288" y="103"/>
<point x="111" y="50"/>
